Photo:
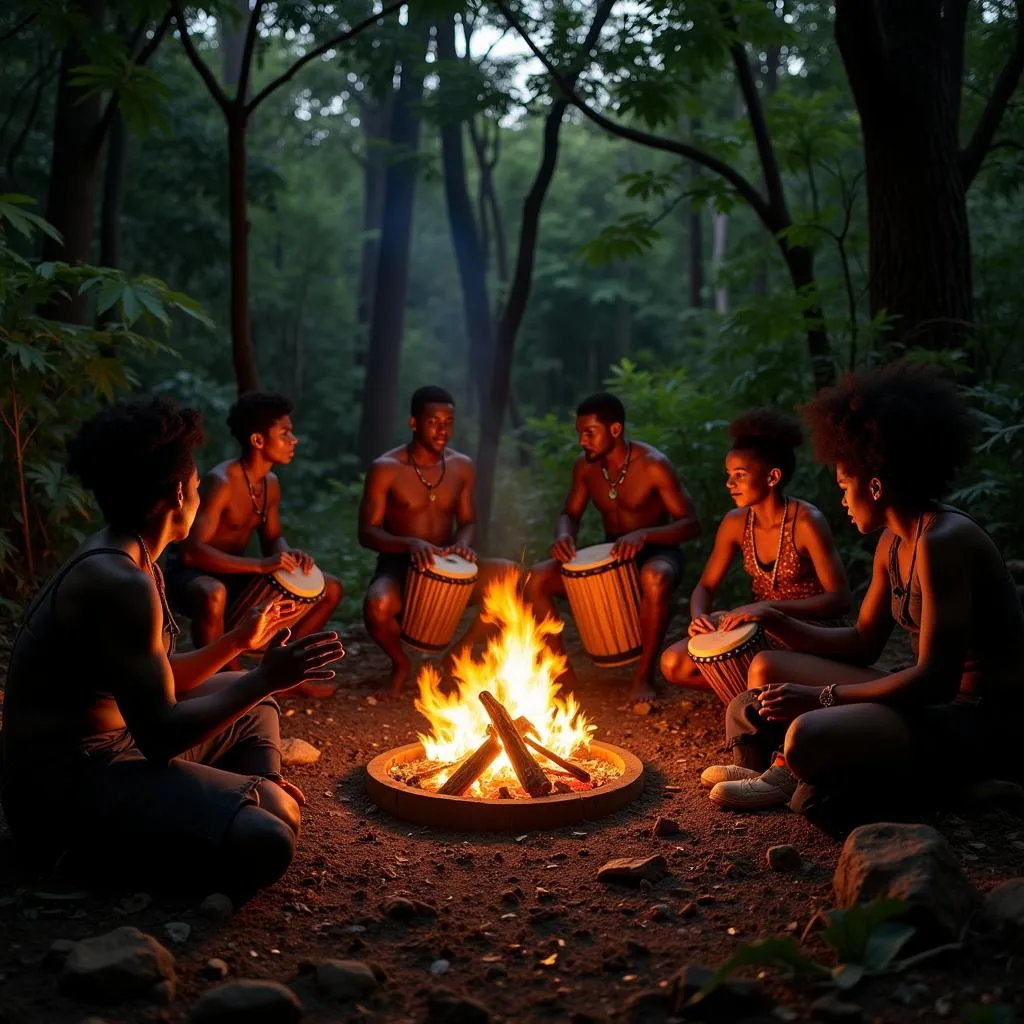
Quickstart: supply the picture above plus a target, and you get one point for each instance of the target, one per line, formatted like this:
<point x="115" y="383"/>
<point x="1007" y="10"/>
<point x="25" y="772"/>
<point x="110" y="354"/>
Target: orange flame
<point x="520" y="670"/>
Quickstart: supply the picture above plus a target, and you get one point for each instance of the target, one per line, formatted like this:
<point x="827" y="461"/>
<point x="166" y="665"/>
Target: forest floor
<point x="581" y="962"/>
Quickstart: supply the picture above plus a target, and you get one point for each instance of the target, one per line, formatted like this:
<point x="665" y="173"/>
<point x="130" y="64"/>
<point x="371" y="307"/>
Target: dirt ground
<point x="521" y="920"/>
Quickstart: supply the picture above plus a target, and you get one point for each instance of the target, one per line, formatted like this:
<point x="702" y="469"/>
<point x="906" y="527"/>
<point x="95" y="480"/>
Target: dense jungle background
<point x="704" y="205"/>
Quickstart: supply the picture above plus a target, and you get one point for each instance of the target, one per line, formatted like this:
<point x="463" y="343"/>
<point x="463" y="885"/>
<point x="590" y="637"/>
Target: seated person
<point x="418" y="502"/>
<point x="209" y="570"/>
<point x="852" y="736"/>
<point x="139" y="763"/>
<point x="802" y="575"/>
<point x="645" y="510"/>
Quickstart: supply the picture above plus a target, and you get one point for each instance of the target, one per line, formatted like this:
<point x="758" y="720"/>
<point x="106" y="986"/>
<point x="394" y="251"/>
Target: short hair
<point x="605" y="406"/>
<point x="256" y="412"/>
<point x="429" y="394"/>
<point x="771" y="436"/>
<point x="133" y="454"/>
<point x="902" y="423"/>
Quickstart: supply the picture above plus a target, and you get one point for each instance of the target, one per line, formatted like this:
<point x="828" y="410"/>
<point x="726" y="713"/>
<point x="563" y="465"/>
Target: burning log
<point x="530" y="774"/>
<point x="574" y="770"/>
<point x="472" y="767"/>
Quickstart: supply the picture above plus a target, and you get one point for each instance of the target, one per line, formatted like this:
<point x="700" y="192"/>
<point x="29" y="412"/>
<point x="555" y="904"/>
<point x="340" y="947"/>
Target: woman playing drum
<point x="850" y="740"/>
<point x="785" y="543"/>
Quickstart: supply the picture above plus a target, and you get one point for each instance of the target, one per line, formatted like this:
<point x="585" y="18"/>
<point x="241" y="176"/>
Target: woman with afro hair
<point x="785" y="543"/>
<point x="823" y="731"/>
<point x="137" y="763"/>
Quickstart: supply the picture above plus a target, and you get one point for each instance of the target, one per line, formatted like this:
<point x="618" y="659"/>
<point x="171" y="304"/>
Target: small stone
<point x="247" y="1002"/>
<point x="54" y="957"/>
<point x="177" y="931"/>
<point x="732" y="1000"/>
<point x="122" y="964"/>
<point x="344" y="980"/>
<point x="399" y="908"/>
<point x="783" y="858"/>
<point x="439" y="967"/>
<point x="666" y="827"/>
<point x="688" y="909"/>
<point x="447" y="1007"/>
<point x="660" y="912"/>
<point x="648" y="1006"/>
<point x="217" y="907"/>
<point x="297" y="752"/>
<point x="216" y="968"/>
<point x="371" y="701"/>
<point x="1003" y="908"/>
<point x="632" y="871"/>
<point x="943" y="1007"/>
<point x="642" y="708"/>
<point x="833" y="1009"/>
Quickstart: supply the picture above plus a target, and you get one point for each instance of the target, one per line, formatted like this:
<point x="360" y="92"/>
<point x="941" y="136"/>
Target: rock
<point x="666" y="827"/>
<point x="660" y="912"/>
<point x="633" y="870"/>
<point x="447" y="1007"/>
<point x="783" y="858"/>
<point x="177" y="931"/>
<point x="912" y="863"/>
<point x="344" y="980"/>
<point x="997" y="793"/>
<point x="439" y="967"/>
<point x="733" y="999"/>
<point x="216" y="968"/>
<point x="217" y="907"/>
<point x="643" y="708"/>
<point x="121" y="964"/>
<point x="1003" y="909"/>
<point x="831" y="1008"/>
<point x="649" y="1006"/>
<point x="296" y="751"/>
<point x="247" y="1002"/>
<point x="400" y="908"/>
<point x="54" y="957"/>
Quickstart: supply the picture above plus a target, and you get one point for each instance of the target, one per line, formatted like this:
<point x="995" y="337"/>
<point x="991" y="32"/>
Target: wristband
<point x="825" y="697"/>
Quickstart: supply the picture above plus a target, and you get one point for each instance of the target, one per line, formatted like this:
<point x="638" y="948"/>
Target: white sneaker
<point x="711" y="777"/>
<point x="771" y="789"/>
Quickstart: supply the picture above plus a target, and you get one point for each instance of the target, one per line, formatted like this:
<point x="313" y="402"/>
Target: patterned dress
<point x="795" y="577"/>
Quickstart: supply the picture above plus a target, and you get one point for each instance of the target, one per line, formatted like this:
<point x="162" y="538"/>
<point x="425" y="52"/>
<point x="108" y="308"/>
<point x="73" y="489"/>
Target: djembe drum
<point x="434" y="601"/>
<point x="604" y="595"/>
<point x="304" y="588"/>
<point x="723" y="657"/>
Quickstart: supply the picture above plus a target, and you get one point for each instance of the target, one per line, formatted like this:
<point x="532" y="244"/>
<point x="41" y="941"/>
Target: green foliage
<point x="990" y="1013"/>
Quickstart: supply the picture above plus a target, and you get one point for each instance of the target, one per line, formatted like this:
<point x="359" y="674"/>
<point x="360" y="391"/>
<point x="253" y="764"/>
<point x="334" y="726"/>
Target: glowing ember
<point x="520" y="671"/>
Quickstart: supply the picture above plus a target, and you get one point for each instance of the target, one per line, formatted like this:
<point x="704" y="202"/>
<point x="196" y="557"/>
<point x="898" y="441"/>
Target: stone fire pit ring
<point x="468" y="814"/>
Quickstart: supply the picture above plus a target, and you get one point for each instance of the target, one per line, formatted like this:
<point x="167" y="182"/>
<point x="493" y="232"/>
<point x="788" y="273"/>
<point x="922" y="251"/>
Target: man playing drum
<point x="419" y="503"/>
<point x="646" y="513"/>
<point x="209" y="571"/>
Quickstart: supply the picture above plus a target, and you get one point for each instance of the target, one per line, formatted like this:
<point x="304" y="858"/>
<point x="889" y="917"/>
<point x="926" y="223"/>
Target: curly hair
<point x="771" y="436"/>
<point x="608" y="408"/>
<point x="902" y="423"/>
<point x="429" y="394"/>
<point x="256" y="412"/>
<point x="133" y="454"/>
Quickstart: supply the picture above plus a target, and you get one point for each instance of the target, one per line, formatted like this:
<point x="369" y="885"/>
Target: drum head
<point x="714" y="645"/>
<point x="589" y="559"/>
<point x="300" y="584"/>
<point x="454" y="567"/>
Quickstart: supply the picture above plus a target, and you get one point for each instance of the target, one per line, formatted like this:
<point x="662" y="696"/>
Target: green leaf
<point x="885" y="942"/>
<point x="993" y="1013"/>
<point x="845" y="976"/>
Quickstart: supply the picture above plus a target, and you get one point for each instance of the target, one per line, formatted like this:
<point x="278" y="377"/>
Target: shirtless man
<point x="645" y="510"/>
<point x="210" y="569"/>
<point x="419" y="502"/>
<point x="142" y="765"/>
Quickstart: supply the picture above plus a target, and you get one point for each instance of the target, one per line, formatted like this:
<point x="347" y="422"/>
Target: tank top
<point x="796" y="577"/>
<point x="995" y="648"/>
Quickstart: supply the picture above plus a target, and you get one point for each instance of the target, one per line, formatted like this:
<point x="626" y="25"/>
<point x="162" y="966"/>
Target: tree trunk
<point x="77" y="146"/>
<point x="919" y="256"/>
<point x="113" y="194"/>
<point x="380" y="403"/>
<point x="721" y="230"/>
<point x="376" y="124"/>
<point x="232" y="42"/>
<point x="696" y="234"/>
<point x="243" y="356"/>
<point x="800" y="263"/>
<point x="469" y="256"/>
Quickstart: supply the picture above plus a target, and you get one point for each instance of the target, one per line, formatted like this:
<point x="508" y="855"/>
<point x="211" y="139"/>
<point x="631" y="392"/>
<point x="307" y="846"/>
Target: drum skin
<point x="305" y="589"/>
<point x="724" y="656"/>
<point x="434" y="602"/>
<point x="604" y="595"/>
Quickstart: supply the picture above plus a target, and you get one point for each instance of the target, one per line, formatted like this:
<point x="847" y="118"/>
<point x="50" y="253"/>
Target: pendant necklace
<point x="778" y="553"/>
<point x="259" y="510"/>
<point x="170" y="626"/>
<point x="613" y="493"/>
<point x="426" y="483"/>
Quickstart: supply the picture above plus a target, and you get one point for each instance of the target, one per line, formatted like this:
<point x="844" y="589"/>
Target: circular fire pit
<point x="471" y="814"/>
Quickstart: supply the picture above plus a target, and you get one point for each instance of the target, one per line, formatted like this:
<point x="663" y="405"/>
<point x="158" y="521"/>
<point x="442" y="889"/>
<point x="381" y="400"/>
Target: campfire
<point x="504" y="730"/>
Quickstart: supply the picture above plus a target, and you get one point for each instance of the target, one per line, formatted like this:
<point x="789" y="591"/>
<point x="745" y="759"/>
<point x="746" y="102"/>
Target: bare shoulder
<point x="389" y="462"/>
<point x="459" y="461"/>
<point x="810" y="515"/>
<point x="274" y="483"/>
<point x="651" y="458"/>
<point x="954" y="537"/>
<point x="111" y="587"/>
<point x="733" y="523"/>
<point x="220" y="477"/>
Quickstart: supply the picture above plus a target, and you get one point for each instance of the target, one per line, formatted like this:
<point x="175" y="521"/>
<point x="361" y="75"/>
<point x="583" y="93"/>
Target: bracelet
<point x="825" y="697"/>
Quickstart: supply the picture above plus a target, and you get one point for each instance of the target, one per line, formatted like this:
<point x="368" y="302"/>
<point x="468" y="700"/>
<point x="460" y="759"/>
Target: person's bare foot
<point x="293" y="791"/>
<point x="400" y="669"/>
<point x="318" y="691"/>
<point x="642" y="690"/>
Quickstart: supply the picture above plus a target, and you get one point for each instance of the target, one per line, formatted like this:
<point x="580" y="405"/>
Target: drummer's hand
<point x="305" y="561"/>
<point x="423" y="553"/>
<point x="461" y="550"/>
<point x="629" y="545"/>
<point x="759" y="611"/>
<point x="564" y="548"/>
<point x="703" y="624"/>
<point x="782" y="702"/>
<point x="261" y="623"/>
<point x="288" y="664"/>
<point x="281" y="561"/>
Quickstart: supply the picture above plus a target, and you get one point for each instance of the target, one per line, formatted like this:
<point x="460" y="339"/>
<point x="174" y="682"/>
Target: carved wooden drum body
<point x="435" y="600"/>
<point x="604" y="595"/>
<point x="305" y="589"/>
<point x="724" y="656"/>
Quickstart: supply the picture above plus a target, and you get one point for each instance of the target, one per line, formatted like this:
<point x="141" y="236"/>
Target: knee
<point x="806" y="737"/>
<point x="675" y="663"/>
<point x="763" y="670"/>
<point x="333" y="591"/>
<point x="212" y="598"/>
<point x="280" y="804"/>
<point x="655" y="584"/>
<point x="264" y="844"/>
<point x="379" y="608"/>
<point x="542" y="580"/>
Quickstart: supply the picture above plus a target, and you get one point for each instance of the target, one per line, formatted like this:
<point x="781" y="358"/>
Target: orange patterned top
<point x="795" y="578"/>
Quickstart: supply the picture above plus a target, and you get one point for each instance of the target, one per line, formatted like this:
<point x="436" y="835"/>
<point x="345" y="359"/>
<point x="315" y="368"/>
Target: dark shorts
<point x="666" y="553"/>
<point x="178" y="576"/>
<point x="392" y="566"/>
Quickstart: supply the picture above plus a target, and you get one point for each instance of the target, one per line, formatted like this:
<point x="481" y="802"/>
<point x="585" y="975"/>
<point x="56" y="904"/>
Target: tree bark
<point x="77" y="146"/>
<point x="380" y="404"/>
<point x="696" y="235"/>
<point x="243" y="356"/>
<point x="919" y="256"/>
<point x="232" y="42"/>
<point x="376" y="123"/>
<point x="113" y="194"/>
